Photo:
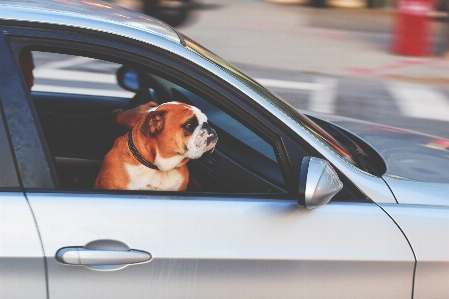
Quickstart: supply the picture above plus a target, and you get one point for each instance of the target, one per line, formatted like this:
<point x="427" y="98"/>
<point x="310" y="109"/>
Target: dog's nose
<point x="206" y="126"/>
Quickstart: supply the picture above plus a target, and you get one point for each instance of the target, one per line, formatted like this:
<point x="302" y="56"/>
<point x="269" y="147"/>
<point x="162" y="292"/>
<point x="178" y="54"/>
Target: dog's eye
<point x="190" y="126"/>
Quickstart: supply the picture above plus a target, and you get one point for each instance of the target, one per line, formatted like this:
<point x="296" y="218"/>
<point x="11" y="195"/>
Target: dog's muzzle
<point x="203" y="140"/>
<point x="212" y="137"/>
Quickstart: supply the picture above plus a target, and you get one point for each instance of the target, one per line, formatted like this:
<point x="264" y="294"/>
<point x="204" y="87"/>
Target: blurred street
<point x="331" y="41"/>
<point x="331" y="60"/>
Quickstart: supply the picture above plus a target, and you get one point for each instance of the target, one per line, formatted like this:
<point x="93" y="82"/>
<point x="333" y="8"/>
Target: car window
<point x="293" y="113"/>
<point x="75" y="98"/>
<point x="59" y="73"/>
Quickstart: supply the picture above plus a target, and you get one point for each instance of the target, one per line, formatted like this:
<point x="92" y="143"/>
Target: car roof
<point x="89" y="14"/>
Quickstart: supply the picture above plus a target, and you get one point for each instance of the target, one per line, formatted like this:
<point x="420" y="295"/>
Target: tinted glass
<point x="8" y="175"/>
<point x="287" y="109"/>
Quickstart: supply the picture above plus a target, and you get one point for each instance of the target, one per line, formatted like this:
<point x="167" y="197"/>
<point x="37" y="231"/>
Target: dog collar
<point x="136" y="153"/>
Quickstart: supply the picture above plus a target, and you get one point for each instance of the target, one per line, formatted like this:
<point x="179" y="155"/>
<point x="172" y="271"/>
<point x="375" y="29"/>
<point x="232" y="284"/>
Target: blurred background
<point x="375" y="60"/>
<point x="384" y="61"/>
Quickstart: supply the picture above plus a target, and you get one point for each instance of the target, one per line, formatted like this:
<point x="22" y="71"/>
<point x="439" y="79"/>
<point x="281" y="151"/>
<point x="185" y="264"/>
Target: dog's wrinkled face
<point x="180" y="130"/>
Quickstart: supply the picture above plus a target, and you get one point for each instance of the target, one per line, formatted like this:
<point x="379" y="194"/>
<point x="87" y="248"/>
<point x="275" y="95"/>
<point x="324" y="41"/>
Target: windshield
<point x="283" y="106"/>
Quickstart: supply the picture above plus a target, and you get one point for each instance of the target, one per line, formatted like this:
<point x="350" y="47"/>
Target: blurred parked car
<point x="287" y="206"/>
<point x="172" y="12"/>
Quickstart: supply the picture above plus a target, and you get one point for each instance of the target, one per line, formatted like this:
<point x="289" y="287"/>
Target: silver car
<point x="287" y="206"/>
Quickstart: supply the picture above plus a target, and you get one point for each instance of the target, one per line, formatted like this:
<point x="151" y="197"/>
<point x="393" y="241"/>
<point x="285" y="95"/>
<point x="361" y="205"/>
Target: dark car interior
<point x="242" y="161"/>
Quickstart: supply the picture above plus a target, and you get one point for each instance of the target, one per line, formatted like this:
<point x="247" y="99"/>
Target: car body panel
<point x="427" y="229"/>
<point x="420" y="193"/>
<point x="417" y="164"/>
<point x="22" y="265"/>
<point x="408" y="155"/>
<point x="203" y="247"/>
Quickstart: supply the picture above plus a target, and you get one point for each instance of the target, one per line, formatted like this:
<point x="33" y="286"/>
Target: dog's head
<point x="179" y="130"/>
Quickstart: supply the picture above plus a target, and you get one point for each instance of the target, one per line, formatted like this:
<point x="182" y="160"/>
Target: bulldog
<point x="153" y="155"/>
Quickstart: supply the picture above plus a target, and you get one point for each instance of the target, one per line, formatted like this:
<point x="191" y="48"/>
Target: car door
<point x="427" y="229"/>
<point x="204" y="247"/>
<point x="120" y="244"/>
<point x="22" y="265"/>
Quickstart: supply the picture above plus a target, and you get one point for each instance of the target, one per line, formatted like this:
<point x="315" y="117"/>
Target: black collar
<point x="136" y="153"/>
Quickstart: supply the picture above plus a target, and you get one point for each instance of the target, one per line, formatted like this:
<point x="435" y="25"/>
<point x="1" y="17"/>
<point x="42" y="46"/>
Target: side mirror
<point x="128" y="78"/>
<point x="318" y="183"/>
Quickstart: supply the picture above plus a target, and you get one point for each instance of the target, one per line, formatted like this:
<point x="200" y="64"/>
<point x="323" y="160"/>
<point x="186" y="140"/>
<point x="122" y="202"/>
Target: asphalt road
<point x="397" y="104"/>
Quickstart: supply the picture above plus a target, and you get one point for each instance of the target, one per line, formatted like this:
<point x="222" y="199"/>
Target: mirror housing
<point x="318" y="183"/>
<point x="129" y="78"/>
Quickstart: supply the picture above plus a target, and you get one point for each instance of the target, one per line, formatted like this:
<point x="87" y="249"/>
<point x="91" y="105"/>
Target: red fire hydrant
<point x="412" y="28"/>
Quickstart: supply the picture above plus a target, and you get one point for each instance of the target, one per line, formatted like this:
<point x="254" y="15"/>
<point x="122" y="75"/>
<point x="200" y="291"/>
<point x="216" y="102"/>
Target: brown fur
<point x="157" y="135"/>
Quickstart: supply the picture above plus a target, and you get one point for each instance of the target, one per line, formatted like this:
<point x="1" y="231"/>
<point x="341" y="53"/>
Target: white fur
<point x="197" y="142"/>
<point x="200" y="115"/>
<point x="166" y="164"/>
<point x="173" y="103"/>
<point x="144" y="178"/>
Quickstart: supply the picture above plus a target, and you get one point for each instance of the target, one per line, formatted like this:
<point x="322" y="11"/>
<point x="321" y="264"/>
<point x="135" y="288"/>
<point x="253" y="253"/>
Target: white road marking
<point x="323" y="91"/>
<point x="420" y="101"/>
<point x="289" y="84"/>
<point x="86" y="91"/>
<point x="67" y="62"/>
<point x="78" y="76"/>
<point x="323" y="99"/>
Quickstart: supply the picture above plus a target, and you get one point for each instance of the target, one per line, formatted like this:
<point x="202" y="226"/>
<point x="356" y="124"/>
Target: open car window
<point x="68" y="74"/>
<point x="75" y="98"/>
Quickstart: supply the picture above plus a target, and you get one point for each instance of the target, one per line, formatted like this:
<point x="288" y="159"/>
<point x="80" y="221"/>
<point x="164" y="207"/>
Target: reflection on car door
<point x="427" y="229"/>
<point x="203" y="247"/>
<point x="22" y="266"/>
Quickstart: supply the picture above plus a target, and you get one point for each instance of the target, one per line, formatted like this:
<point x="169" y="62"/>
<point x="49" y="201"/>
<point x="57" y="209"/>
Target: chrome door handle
<point x="83" y="256"/>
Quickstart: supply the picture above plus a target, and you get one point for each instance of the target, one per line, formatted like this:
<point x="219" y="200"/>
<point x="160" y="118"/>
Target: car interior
<point x="242" y="162"/>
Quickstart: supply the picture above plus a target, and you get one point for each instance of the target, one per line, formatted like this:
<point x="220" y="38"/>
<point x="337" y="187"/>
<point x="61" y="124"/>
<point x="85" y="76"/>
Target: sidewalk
<point x="339" y="42"/>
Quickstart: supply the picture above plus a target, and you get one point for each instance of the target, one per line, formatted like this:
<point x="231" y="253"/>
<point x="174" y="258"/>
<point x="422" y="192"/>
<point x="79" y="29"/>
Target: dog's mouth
<point x="210" y="136"/>
<point x="212" y="139"/>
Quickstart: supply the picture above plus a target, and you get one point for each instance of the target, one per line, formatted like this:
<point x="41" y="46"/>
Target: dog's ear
<point x="154" y="123"/>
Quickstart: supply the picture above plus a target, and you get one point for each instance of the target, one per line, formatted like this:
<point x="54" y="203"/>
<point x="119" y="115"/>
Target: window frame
<point x="9" y="178"/>
<point x="25" y="137"/>
<point x="152" y="58"/>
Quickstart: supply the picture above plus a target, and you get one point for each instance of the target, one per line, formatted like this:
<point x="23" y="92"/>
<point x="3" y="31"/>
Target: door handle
<point x="83" y="256"/>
